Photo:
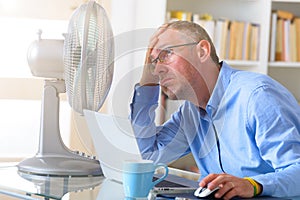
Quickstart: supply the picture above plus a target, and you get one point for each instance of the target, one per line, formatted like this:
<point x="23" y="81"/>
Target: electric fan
<point x="82" y="66"/>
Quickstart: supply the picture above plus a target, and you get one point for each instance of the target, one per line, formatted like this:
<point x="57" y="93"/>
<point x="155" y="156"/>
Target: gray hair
<point x="195" y="32"/>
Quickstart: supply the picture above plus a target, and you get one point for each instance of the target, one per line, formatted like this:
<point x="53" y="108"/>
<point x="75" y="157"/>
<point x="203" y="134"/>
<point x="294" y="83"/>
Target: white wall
<point x="133" y="22"/>
<point x="20" y="93"/>
<point x="39" y="9"/>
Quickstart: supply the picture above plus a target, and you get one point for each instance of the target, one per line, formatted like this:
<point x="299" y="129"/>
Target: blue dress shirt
<point x="255" y="120"/>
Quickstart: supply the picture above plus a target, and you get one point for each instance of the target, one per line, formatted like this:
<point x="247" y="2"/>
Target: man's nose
<point x="159" y="68"/>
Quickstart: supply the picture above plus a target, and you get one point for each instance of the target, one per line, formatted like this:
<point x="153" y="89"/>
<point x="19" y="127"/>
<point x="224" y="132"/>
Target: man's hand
<point x="230" y="186"/>
<point x="148" y="78"/>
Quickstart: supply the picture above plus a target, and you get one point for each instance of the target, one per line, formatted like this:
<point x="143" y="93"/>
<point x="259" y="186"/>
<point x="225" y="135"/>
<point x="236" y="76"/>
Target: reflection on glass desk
<point x="17" y="185"/>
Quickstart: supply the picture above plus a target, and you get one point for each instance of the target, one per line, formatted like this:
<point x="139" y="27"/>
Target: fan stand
<point x="53" y="157"/>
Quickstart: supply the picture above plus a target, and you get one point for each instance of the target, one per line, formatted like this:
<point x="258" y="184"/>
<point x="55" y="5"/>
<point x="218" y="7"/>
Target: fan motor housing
<point x="45" y="58"/>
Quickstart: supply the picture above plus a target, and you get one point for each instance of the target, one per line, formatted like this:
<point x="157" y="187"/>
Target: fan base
<point x="57" y="165"/>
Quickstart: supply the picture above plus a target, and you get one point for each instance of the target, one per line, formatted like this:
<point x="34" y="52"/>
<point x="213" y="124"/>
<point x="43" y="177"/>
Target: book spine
<point x="234" y="40"/>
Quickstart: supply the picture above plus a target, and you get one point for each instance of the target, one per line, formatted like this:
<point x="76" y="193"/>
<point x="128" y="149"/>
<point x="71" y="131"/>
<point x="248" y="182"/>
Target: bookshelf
<point x="248" y="11"/>
<point x="256" y="12"/>
<point x="287" y="72"/>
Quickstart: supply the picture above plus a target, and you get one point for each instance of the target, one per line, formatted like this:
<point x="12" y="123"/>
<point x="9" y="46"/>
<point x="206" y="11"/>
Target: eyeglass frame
<point x="155" y="61"/>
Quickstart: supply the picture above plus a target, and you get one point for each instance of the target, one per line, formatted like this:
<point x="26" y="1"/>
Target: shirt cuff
<point x="268" y="186"/>
<point x="146" y="94"/>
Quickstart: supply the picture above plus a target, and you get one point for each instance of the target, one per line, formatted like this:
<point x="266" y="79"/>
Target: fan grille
<point x="88" y="57"/>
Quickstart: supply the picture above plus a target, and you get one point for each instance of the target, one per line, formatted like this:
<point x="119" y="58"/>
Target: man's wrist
<point x="257" y="187"/>
<point x="146" y="94"/>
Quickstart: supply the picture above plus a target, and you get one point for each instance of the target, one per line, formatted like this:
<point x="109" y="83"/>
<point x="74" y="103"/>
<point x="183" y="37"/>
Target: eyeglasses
<point x="165" y="54"/>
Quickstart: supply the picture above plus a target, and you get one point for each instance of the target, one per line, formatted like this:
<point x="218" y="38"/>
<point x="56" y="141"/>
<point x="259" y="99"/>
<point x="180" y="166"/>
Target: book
<point x="254" y="42"/>
<point x="227" y="42"/>
<point x="207" y="23"/>
<point x="233" y="29"/>
<point x="283" y="14"/>
<point x="285" y="41"/>
<point x="236" y="40"/>
<point x="218" y="36"/>
<point x="246" y="41"/>
<point x="297" y="27"/>
<point x="174" y="15"/>
<point x="292" y="43"/>
<point x="284" y="32"/>
<point x="279" y="39"/>
<point x="239" y="41"/>
<point x="273" y="36"/>
<point x="225" y="39"/>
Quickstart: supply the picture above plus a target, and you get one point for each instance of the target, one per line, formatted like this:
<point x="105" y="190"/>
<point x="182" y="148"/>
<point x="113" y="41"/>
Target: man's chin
<point x="169" y="93"/>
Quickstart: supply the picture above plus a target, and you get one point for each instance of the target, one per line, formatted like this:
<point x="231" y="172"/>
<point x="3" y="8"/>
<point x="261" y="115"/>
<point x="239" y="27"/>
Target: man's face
<point x="177" y="72"/>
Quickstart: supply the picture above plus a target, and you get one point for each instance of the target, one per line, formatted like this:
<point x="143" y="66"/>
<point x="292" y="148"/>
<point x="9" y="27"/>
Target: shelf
<point x="243" y="63"/>
<point x="284" y="64"/>
<point x="286" y="1"/>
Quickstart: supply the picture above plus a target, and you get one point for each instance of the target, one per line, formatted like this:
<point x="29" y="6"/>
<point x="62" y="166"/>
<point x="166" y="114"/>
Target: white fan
<point x="87" y="54"/>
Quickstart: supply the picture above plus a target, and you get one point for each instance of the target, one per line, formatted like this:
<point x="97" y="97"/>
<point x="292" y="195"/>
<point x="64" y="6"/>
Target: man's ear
<point x="203" y="50"/>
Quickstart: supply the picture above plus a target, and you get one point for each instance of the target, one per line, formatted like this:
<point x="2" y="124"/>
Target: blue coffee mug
<point x="138" y="177"/>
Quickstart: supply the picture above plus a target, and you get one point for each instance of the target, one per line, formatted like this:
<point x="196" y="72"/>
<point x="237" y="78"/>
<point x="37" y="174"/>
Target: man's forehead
<point x="170" y="37"/>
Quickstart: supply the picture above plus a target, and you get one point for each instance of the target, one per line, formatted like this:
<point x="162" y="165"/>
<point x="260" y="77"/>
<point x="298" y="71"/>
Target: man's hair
<point x="196" y="33"/>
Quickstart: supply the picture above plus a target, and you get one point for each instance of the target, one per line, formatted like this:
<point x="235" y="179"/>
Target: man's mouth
<point x="164" y="81"/>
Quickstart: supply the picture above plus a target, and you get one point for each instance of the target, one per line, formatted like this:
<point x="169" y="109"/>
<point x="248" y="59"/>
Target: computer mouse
<point x="203" y="192"/>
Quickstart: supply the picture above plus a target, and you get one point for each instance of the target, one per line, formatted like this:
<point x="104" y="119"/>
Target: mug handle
<point x="164" y="176"/>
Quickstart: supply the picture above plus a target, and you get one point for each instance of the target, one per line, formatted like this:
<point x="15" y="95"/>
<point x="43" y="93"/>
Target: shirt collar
<point x="220" y="88"/>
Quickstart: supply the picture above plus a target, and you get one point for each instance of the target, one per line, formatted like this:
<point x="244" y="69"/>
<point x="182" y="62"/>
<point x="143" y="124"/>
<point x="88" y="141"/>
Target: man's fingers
<point x="159" y="31"/>
<point x="227" y="190"/>
<point x="208" y="179"/>
<point x="154" y="38"/>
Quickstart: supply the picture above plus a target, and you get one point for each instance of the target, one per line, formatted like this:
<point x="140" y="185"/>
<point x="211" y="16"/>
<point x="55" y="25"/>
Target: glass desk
<point x="16" y="185"/>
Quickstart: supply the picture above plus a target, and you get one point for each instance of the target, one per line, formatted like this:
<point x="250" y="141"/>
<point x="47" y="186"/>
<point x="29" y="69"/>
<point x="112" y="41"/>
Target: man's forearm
<point x="144" y="103"/>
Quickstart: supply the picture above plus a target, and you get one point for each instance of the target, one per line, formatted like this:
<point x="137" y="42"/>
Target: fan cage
<point x="88" y="57"/>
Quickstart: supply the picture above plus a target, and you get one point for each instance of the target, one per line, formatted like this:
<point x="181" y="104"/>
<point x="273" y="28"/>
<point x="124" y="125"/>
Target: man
<point x="241" y="127"/>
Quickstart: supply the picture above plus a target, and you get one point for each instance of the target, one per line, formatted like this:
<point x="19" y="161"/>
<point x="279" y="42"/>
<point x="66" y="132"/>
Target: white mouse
<point x="203" y="192"/>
